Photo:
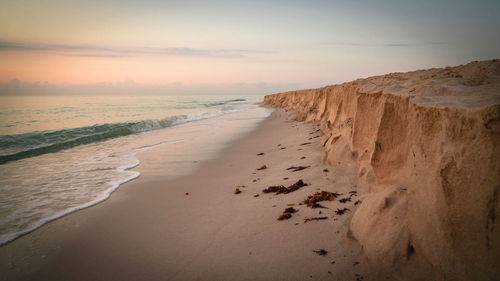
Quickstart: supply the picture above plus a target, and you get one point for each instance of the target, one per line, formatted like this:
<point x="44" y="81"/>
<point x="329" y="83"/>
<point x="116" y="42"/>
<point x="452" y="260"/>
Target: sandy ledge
<point x="427" y="147"/>
<point x="150" y="230"/>
<point x="419" y="150"/>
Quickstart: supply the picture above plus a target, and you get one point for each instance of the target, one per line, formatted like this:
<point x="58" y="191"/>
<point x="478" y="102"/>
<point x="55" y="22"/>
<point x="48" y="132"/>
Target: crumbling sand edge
<point x="431" y="171"/>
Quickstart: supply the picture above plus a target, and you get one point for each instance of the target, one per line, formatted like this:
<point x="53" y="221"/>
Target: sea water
<point x="62" y="154"/>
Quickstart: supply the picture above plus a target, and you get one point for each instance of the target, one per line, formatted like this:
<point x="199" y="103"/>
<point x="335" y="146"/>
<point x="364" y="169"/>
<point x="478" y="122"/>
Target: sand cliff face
<point x="427" y="145"/>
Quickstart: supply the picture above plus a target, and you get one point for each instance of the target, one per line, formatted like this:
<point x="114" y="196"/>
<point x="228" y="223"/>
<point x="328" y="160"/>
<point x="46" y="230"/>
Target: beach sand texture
<point x="151" y="230"/>
<point x="427" y="146"/>
<point x="413" y="158"/>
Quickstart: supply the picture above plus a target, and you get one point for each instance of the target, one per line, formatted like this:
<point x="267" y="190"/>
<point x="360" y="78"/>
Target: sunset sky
<point x="295" y="43"/>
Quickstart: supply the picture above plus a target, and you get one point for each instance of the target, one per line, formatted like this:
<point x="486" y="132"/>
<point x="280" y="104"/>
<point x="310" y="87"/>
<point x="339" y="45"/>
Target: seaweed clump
<point x="263" y="167"/>
<point x="315" y="219"/>
<point x="284" y="216"/>
<point x="341" y="211"/>
<point x="345" y="200"/>
<point x="312" y="200"/>
<point x="298" y="168"/>
<point x="321" y="252"/>
<point x="287" y="213"/>
<point x="282" y="189"/>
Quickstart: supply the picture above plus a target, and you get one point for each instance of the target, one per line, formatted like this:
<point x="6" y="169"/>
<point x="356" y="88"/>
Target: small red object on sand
<point x="187" y="193"/>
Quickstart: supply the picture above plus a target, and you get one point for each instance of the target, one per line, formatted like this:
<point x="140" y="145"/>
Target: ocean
<point x="63" y="154"/>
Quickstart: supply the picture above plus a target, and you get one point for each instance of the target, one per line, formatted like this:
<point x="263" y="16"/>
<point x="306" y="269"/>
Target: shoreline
<point x="151" y="230"/>
<point x="130" y="169"/>
<point x="394" y="179"/>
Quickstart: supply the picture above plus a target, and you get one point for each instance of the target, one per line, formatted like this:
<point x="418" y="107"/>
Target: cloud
<point x="113" y="52"/>
<point x="396" y="45"/>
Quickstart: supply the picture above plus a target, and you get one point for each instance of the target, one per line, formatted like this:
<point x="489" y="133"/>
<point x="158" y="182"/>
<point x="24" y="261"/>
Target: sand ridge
<point x="426" y="146"/>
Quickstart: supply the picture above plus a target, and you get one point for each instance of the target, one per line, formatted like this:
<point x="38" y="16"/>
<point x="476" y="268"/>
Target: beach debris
<point x="357" y="202"/>
<point x="282" y="189"/>
<point x="325" y="170"/>
<point x="255" y="180"/>
<point x="298" y="168"/>
<point x="285" y="178"/>
<point x="333" y="262"/>
<point x="315" y="219"/>
<point x="320" y="212"/>
<point x="237" y="191"/>
<point x="329" y="272"/>
<point x="306" y="143"/>
<point x="353" y="193"/>
<point x="284" y="216"/>
<point x="321" y="252"/>
<point x="312" y="200"/>
<point x="263" y="167"/>
<point x="296" y="186"/>
<point x="256" y="195"/>
<point x="345" y="200"/>
<point x="355" y="263"/>
<point x="187" y="193"/>
<point x="317" y="205"/>
<point x="291" y="204"/>
<point x="303" y="157"/>
<point x="275" y="188"/>
<point x="283" y="148"/>
<point x="341" y="211"/>
<point x="279" y="144"/>
<point x="262" y="153"/>
<point x="287" y="213"/>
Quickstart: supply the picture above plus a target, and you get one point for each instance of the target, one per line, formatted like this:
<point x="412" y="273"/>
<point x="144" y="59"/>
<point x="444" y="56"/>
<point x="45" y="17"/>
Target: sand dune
<point x="427" y="148"/>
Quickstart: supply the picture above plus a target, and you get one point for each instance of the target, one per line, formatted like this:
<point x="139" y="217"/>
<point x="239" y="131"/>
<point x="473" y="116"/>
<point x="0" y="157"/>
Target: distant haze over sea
<point x="16" y="87"/>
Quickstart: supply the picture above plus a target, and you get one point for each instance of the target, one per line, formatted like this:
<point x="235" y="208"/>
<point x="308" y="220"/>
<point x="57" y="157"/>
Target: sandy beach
<point x="391" y="177"/>
<point x="151" y="230"/>
<point x="249" y="140"/>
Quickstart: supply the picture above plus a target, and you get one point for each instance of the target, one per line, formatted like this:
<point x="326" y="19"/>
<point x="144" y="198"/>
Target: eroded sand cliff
<point x="427" y="145"/>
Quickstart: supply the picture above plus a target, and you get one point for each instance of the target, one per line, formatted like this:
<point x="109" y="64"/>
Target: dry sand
<point x="150" y="230"/>
<point x="426" y="145"/>
<point x="419" y="148"/>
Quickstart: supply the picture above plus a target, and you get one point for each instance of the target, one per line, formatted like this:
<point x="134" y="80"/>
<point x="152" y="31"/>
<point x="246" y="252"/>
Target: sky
<point x="51" y="46"/>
